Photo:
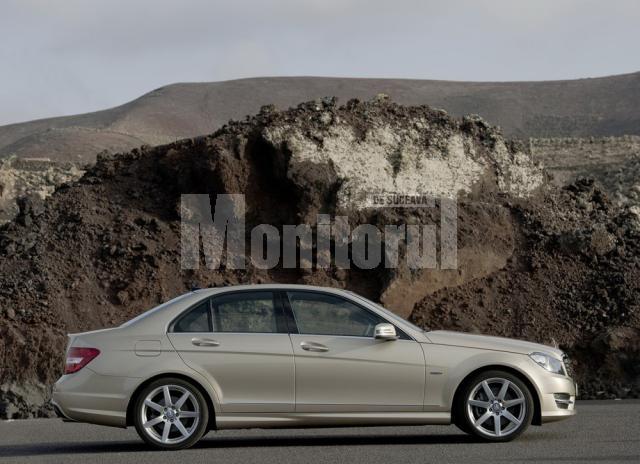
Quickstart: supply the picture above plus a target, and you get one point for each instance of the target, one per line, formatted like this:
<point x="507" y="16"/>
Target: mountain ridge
<point x="596" y="106"/>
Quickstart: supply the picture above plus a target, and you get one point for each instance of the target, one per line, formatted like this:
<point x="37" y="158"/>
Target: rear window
<point x="197" y="319"/>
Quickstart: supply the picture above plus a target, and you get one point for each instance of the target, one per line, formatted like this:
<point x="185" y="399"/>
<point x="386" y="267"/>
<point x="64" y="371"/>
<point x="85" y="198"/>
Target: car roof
<point x="226" y="288"/>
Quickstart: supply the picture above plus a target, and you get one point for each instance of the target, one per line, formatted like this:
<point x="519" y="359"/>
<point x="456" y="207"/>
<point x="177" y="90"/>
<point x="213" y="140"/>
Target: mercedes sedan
<point x="299" y="356"/>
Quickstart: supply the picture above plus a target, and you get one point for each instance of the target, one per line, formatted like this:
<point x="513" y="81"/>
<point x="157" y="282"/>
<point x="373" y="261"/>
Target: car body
<point x="301" y="356"/>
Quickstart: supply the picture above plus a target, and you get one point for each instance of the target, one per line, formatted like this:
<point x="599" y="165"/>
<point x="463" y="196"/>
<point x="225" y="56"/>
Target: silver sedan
<point x="301" y="356"/>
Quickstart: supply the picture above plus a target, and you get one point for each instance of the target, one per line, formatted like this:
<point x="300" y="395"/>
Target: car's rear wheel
<point x="171" y="413"/>
<point x="495" y="406"/>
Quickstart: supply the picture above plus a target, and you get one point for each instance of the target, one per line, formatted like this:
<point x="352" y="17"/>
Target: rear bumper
<point x="61" y="414"/>
<point x="89" y="397"/>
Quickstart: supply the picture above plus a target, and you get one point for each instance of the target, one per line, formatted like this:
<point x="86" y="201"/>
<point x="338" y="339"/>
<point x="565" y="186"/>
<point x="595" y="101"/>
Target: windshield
<point x="388" y="313"/>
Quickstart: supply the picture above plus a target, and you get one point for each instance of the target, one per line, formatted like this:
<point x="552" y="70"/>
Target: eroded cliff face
<point x="408" y="155"/>
<point x="107" y="247"/>
<point x="614" y="162"/>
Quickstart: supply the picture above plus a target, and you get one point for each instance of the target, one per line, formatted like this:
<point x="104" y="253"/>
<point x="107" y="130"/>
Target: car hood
<point x="485" y="342"/>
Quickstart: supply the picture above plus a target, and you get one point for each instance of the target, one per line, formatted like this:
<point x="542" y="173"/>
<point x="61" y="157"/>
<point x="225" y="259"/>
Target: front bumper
<point x="90" y="397"/>
<point x="557" y="398"/>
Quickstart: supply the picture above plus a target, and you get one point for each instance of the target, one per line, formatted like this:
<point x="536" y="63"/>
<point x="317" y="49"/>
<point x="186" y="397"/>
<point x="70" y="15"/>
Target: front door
<point x="239" y="342"/>
<point x="340" y="367"/>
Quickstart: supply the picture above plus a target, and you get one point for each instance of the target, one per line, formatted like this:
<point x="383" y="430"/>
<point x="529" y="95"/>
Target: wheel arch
<point x="537" y="411"/>
<point x="210" y="406"/>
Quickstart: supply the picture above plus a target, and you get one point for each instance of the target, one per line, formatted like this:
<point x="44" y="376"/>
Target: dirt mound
<point x="107" y="247"/>
<point x="573" y="279"/>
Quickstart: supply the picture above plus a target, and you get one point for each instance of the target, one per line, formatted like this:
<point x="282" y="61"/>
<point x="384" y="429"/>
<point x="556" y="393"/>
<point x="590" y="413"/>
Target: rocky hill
<point x="550" y="114"/>
<point x="533" y="261"/>
<point x="573" y="108"/>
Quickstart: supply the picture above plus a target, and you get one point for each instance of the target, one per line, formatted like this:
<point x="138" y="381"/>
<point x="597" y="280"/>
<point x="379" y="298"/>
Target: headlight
<point x="549" y="363"/>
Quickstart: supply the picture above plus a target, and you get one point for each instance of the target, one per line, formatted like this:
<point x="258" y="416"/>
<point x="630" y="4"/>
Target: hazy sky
<point x="62" y="57"/>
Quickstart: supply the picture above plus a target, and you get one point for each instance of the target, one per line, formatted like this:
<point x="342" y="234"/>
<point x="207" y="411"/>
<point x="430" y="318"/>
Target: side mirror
<point x="385" y="332"/>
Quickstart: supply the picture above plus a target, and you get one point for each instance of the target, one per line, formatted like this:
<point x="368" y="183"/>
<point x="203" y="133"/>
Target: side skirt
<point x="315" y="419"/>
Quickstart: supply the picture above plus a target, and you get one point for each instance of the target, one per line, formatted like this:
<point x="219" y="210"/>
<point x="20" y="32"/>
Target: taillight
<point x="77" y="358"/>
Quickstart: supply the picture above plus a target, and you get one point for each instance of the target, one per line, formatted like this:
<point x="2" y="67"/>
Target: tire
<point x="497" y="414"/>
<point x="176" y="427"/>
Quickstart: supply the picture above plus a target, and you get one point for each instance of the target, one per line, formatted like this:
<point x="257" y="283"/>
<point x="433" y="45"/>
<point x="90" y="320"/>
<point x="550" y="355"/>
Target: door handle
<point x="313" y="346"/>
<point x="204" y="342"/>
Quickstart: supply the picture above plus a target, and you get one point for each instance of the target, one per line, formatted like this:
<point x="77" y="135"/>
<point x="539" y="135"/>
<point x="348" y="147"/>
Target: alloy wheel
<point x="496" y="407"/>
<point x="170" y="414"/>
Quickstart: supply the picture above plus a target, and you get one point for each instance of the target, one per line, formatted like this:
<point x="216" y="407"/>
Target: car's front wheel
<point x="495" y="406"/>
<point x="171" y="413"/>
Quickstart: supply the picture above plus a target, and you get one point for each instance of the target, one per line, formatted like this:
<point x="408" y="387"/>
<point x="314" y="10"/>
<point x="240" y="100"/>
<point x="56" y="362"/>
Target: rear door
<point x="340" y="367"/>
<point x="239" y="341"/>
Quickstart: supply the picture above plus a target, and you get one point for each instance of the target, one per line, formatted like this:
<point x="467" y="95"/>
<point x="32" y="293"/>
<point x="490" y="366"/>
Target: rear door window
<point x="246" y="312"/>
